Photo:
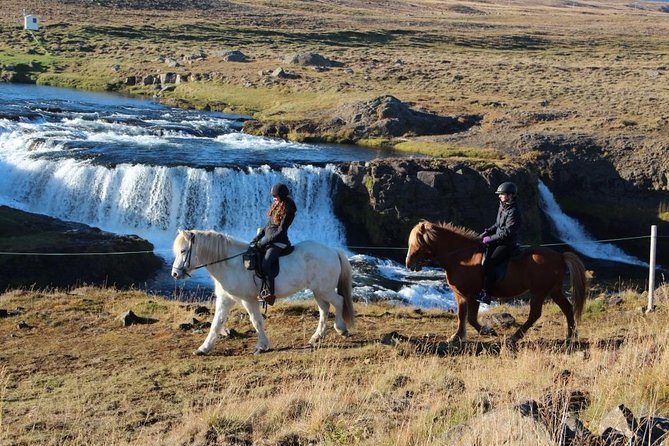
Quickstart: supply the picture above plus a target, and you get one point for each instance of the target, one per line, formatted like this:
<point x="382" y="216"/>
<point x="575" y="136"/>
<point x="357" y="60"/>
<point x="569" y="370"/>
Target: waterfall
<point x="155" y="201"/>
<point x="574" y="234"/>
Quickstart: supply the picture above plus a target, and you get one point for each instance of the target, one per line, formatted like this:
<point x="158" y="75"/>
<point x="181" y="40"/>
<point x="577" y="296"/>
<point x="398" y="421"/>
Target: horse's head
<point x="419" y="252"/>
<point x="183" y="253"/>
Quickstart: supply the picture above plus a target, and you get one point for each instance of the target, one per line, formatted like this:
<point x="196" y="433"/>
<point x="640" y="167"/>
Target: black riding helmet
<point x="280" y="190"/>
<point x="507" y="188"/>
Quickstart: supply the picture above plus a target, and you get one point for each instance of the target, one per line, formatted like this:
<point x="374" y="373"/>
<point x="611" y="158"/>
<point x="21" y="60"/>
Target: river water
<point x="133" y="166"/>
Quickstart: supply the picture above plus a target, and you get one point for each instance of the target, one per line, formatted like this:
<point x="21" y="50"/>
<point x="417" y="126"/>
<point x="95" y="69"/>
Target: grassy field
<point x="551" y="66"/>
<point x="76" y="376"/>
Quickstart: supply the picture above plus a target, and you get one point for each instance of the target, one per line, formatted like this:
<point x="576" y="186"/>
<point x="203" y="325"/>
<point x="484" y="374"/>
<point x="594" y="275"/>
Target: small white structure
<point x="30" y="23"/>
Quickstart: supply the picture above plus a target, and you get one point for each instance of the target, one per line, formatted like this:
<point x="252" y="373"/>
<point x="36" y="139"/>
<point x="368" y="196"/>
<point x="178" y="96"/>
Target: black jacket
<point x="506" y="229"/>
<point x="278" y="233"/>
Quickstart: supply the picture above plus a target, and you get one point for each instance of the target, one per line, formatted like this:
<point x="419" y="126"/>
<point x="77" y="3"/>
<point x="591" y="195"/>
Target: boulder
<point x="234" y="56"/>
<point x="311" y="59"/>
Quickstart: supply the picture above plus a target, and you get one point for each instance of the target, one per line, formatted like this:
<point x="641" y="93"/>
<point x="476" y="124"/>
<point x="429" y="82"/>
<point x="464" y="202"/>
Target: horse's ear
<point x="421" y="227"/>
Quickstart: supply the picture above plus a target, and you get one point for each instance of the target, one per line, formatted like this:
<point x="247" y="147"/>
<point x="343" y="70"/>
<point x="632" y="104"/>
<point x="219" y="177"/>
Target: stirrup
<point x="266" y="297"/>
<point x="483" y="297"/>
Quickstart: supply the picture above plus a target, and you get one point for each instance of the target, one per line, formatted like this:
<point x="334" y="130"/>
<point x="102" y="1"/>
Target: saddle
<point x="499" y="272"/>
<point x="253" y="257"/>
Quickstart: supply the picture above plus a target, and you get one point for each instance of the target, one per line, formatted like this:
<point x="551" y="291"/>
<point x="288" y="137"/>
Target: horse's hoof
<point x="487" y="330"/>
<point x="512" y="345"/>
<point x="259" y="351"/>
<point x="345" y="333"/>
<point x="455" y="340"/>
<point x="199" y="352"/>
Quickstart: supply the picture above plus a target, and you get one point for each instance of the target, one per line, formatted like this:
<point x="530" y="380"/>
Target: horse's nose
<point x="175" y="274"/>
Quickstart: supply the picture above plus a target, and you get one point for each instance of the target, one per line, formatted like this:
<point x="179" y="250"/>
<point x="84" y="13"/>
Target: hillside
<point x="588" y="67"/>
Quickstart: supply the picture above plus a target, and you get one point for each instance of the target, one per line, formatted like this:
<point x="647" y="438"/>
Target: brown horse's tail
<point x="578" y="281"/>
<point x="345" y="288"/>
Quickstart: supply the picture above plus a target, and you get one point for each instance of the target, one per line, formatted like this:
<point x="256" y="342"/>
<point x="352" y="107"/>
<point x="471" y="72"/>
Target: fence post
<point x="651" y="270"/>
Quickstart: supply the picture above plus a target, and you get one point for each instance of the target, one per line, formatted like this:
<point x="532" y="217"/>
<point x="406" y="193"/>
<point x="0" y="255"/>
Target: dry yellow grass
<point x="79" y="377"/>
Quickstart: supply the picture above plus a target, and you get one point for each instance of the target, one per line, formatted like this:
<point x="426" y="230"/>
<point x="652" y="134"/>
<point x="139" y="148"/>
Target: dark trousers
<point x="270" y="266"/>
<point x="496" y="254"/>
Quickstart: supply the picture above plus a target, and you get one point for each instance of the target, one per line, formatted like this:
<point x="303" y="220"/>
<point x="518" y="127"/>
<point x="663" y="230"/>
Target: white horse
<point x="323" y="270"/>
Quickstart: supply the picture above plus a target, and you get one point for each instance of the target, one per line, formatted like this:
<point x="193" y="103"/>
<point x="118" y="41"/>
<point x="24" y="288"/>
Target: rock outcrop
<point x="382" y="117"/>
<point x="25" y="232"/>
<point x="380" y="201"/>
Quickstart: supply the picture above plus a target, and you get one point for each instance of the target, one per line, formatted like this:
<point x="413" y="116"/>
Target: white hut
<point x="30" y="23"/>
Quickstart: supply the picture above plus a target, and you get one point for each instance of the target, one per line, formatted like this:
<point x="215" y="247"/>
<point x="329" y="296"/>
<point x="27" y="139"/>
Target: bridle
<point x="185" y="267"/>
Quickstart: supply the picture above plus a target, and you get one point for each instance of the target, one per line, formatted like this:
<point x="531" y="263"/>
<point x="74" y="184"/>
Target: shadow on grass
<point x="429" y="346"/>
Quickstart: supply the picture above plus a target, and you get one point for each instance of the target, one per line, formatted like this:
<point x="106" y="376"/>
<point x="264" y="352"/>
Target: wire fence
<point x="55" y="254"/>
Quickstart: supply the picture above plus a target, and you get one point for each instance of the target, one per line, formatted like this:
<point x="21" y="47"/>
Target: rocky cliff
<point x="380" y="201"/>
<point x="25" y="232"/>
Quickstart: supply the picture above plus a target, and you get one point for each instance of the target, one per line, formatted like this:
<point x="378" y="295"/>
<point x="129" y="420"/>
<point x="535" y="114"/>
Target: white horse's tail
<point x="345" y="288"/>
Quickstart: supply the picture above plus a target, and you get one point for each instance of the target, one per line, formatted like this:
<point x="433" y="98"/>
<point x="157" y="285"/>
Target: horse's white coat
<point x="323" y="270"/>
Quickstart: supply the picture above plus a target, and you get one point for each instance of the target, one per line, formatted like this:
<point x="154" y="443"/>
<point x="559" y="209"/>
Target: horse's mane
<point x="460" y="230"/>
<point x="430" y="231"/>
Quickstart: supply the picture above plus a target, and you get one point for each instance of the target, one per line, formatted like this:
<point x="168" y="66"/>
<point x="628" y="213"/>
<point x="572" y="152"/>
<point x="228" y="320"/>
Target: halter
<point x="189" y="254"/>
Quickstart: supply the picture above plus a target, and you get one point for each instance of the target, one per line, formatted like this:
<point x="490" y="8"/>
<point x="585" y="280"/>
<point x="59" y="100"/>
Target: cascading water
<point x="130" y="166"/>
<point x="572" y="232"/>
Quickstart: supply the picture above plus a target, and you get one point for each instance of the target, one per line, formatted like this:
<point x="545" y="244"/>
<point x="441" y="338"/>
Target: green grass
<point x="440" y="150"/>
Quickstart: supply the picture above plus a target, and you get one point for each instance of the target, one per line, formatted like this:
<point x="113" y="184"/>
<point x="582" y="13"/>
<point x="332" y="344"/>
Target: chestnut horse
<point x="538" y="270"/>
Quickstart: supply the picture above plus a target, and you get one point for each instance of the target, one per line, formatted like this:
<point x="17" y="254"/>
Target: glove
<point x="486" y="240"/>
<point x="485" y="233"/>
<point x="252" y="245"/>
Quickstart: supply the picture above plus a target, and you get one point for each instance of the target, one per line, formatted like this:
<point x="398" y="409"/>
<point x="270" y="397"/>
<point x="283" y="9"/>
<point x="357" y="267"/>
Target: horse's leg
<point x="253" y="309"/>
<point x="473" y="319"/>
<point x="536" y="303"/>
<point x="461" y="334"/>
<point x="568" y="310"/>
<point x="334" y="299"/>
<point x="223" y="305"/>
<point x="323" y="310"/>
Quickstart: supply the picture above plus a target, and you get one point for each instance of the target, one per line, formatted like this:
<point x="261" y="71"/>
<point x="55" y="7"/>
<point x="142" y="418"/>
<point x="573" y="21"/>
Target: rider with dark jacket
<point x="501" y="239"/>
<point x="273" y="238"/>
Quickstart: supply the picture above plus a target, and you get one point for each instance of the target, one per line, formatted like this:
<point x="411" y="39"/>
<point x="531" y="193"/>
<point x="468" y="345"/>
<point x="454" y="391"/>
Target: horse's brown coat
<point x="539" y="271"/>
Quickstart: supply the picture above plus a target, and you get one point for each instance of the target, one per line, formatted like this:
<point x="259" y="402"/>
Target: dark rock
<point x="385" y="116"/>
<point x="130" y="318"/>
<point x="201" y="310"/>
<point x="3" y="313"/>
<point x="613" y="437"/>
<point x="529" y="408"/>
<point x="283" y="74"/>
<point x="650" y="431"/>
<point x="57" y="236"/>
<point x="22" y="325"/>
<point x="504" y="320"/>
<point x="380" y="201"/>
<point x="234" y="56"/>
<point x="311" y="59"/>
<point x="194" y="324"/>
<point x="393" y="338"/>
